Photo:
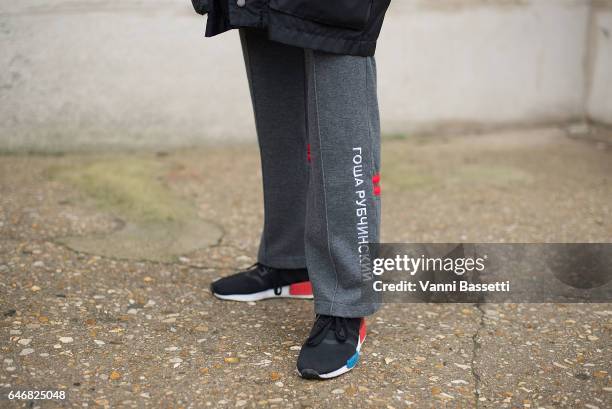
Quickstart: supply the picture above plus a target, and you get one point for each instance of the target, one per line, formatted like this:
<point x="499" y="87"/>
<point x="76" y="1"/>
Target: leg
<point x="276" y="80"/>
<point x="343" y="210"/>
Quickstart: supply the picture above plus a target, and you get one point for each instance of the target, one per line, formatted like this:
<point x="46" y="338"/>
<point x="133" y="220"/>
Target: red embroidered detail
<point x="308" y="157"/>
<point x="376" y="181"/>
<point x="303" y="288"/>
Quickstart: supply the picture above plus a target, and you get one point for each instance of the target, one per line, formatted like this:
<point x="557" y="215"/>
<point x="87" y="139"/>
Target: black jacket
<point x="336" y="26"/>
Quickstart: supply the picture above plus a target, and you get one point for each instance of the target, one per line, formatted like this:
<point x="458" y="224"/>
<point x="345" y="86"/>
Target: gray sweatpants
<point x="319" y="135"/>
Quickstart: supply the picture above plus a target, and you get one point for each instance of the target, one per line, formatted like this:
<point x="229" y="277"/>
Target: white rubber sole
<point x="263" y="295"/>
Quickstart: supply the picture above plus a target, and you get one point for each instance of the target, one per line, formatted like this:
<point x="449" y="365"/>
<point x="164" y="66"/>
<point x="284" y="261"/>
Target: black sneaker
<point x="260" y="282"/>
<point x="332" y="348"/>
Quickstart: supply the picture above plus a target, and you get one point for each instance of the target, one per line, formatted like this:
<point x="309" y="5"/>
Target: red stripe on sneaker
<point x="362" y="330"/>
<point x="303" y="288"/>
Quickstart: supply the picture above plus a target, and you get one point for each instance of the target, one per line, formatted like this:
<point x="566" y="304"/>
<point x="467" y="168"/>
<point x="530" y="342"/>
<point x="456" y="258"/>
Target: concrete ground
<point x="105" y="263"/>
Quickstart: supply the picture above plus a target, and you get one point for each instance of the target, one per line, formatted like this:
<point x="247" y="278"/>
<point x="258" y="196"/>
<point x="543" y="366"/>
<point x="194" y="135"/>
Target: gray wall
<point x="599" y="63"/>
<point x="127" y="73"/>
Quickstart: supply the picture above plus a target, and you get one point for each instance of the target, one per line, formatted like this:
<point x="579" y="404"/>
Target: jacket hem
<point x="332" y="45"/>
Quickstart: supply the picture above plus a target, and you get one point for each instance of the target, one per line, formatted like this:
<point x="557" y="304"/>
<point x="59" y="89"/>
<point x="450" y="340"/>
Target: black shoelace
<point x="323" y="325"/>
<point x="261" y="271"/>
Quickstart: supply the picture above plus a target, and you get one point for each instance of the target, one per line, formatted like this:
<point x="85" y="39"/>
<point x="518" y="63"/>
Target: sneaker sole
<point x="350" y="364"/>
<point x="298" y="290"/>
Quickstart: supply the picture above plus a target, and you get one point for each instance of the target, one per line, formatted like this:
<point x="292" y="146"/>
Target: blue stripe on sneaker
<point x="352" y="361"/>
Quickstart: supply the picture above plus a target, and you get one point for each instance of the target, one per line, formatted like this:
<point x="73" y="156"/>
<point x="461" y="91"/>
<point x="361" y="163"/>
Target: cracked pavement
<point x="118" y="328"/>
